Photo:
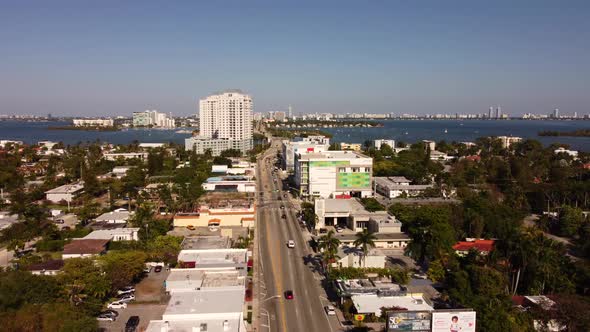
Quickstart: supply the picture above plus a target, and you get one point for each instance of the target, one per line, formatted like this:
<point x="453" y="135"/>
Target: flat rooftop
<point x="230" y="324"/>
<point x="214" y="257"/>
<point x="205" y="302"/>
<point x="199" y="278"/>
<point x="206" y="242"/>
<point x="333" y="155"/>
<point x="372" y="303"/>
<point x="66" y="189"/>
<point x="343" y="205"/>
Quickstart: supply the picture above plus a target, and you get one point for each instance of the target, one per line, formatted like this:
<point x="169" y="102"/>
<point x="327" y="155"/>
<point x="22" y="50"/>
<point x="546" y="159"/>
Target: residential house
<point x="85" y="248"/>
<point x="65" y="193"/>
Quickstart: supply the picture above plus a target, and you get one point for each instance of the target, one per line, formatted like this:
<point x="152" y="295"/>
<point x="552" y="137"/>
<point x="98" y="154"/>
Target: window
<point x="342" y="170"/>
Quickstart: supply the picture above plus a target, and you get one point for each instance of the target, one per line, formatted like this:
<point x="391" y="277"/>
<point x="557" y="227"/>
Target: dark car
<point x="289" y="294"/>
<point x="284" y="216"/>
<point x="158" y="268"/>
<point x="323" y="230"/>
<point x="132" y="324"/>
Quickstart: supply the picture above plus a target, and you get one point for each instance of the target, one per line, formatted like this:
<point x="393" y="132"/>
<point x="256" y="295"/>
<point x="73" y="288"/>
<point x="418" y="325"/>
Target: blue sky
<point x="116" y="57"/>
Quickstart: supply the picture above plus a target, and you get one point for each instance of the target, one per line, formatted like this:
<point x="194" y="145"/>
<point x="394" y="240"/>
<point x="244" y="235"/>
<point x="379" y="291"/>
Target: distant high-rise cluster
<point x="152" y="119"/>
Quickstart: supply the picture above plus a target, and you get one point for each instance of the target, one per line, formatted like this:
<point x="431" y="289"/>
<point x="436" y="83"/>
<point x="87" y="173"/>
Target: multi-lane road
<point x="281" y="268"/>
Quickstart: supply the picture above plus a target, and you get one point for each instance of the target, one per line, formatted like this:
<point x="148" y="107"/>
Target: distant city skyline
<point x="107" y="59"/>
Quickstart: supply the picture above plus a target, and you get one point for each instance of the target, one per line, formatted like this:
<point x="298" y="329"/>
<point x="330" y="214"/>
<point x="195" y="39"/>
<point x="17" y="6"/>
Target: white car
<point x="127" y="298"/>
<point x="126" y="290"/>
<point x="330" y="310"/>
<point x="339" y="230"/>
<point x="108" y="318"/>
<point x="117" y="305"/>
<point x="291" y="244"/>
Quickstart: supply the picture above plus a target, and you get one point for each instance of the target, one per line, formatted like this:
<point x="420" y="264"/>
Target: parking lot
<point x="146" y="312"/>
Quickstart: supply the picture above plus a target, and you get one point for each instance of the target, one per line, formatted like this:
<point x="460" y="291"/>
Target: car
<point x="330" y="310"/>
<point x="132" y="324"/>
<point x="190" y="227"/>
<point x="285" y="195"/>
<point x="339" y="230"/>
<point x="59" y="221"/>
<point x="66" y="228"/>
<point x="105" y="317"/>
<point x="158" y="268"/>
<point x="291" y="244"/>
<point x="323" y="231"/>
<point x="127" y="297"/>
<point x="147" y="269"/>
<point x="110" y="312"/>
<point x="289" y="294"/>
<point x="117" y="305"/>
<point x="284" y="216"/>
<point x="282" y="207"/>
<point x="126" y="290"/>
<point x="420" y="276"/>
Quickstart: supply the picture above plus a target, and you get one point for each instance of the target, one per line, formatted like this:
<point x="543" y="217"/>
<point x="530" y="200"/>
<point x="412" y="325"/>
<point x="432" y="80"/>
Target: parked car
<point x="105" y="317"/>
<point x="282" y="207"/>
<point x="289" y="294"/>
<point x="291" y="244"/>
<point x="190" y="227"/>
<point x="110" y="312"/>
<point x="117" y="305"/>
<point x="59" y="221"/>
<point x="126" y="290"/>
<point x="330" y="310"/>
<point x="147" y="269"/>
<point x="158" y="268"/>
<point x="420" y="276"/>
<point x="339" y="229"/>
<point x="323" y="231"/>
<point x="127" y="297"/>
<point x="284" y="216"/>
<point x="132" y="324"/>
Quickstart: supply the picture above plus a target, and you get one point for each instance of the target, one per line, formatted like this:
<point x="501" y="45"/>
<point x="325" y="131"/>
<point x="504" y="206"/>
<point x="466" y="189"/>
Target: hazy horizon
<point x="106" y="59"/>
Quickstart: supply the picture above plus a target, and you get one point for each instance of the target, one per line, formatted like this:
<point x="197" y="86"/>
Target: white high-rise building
<point x="227" y="115"/>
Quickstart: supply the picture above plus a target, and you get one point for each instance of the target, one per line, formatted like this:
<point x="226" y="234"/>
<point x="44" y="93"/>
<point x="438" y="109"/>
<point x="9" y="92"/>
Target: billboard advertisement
<point x="453" y="321"/>
<point x="415" y="321"/>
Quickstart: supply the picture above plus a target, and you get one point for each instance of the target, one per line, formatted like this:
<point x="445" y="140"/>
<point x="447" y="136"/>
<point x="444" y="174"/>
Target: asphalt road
<point x="283" y="268"/>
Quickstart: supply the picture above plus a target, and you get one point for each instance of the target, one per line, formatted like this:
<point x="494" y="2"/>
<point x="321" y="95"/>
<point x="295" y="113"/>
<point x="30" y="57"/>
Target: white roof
<point x="193" y="279"/>
<point x="114" y="215"/>
<point x="343" y="205"/>
<point x="214" y="257"/>
<point x="230" y="324"/>
<point x="342" y="155"/>
<point x="108" y="234"/>
<point x="199" y="304"/>
<point x="372" y="303"/>
<point x="66" y="189"/>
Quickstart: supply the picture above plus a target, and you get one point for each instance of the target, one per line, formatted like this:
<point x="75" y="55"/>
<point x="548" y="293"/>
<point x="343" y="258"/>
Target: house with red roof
<point x="483" y="247"/>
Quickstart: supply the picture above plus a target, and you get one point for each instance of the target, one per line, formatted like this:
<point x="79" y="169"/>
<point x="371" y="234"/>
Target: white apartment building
<point x="379" y="142"/>
<point x="152" y="118"/>
<point x="507" y="141"/>
<point x="200" y="144"/>
<point x="93" y="122"/>
<point x="227" y="115"/>
<point x="334" y="173"/>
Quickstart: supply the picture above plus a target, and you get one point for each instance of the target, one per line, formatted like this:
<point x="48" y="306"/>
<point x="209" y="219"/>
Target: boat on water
<point x="446" y="131"/>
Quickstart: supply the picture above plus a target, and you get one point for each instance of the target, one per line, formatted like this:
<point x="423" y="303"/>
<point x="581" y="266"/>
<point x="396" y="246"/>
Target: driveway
<point x="151" y="288"/>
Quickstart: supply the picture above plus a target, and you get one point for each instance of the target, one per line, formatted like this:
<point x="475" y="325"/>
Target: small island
<point x="575" y="133"/>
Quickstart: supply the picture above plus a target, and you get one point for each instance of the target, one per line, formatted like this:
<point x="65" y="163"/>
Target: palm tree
<point x="365" y="239"/>
<point x="329" y="246"/>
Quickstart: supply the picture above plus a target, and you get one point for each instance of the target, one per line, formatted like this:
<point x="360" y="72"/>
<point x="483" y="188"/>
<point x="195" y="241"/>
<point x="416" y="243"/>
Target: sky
<point x="100" y="58"/>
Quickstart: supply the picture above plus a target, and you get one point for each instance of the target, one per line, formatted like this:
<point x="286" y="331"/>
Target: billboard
<point x="415" y="321"/>
<point x="453" y="321"/>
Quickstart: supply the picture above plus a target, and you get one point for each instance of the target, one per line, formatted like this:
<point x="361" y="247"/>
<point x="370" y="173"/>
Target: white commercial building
<point x="5" y="142"/>
<point x="94" y="122"/>
<point x="233" y="183"/>
<point x="507" y="141"/>
<point x="379" y="142"/>
<point x="66" y="192"/>
<point x="227" y="115"/>
<point x="396" y="186"/>
<point x="333" y="174"/>
<point x="290" y="149"/>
